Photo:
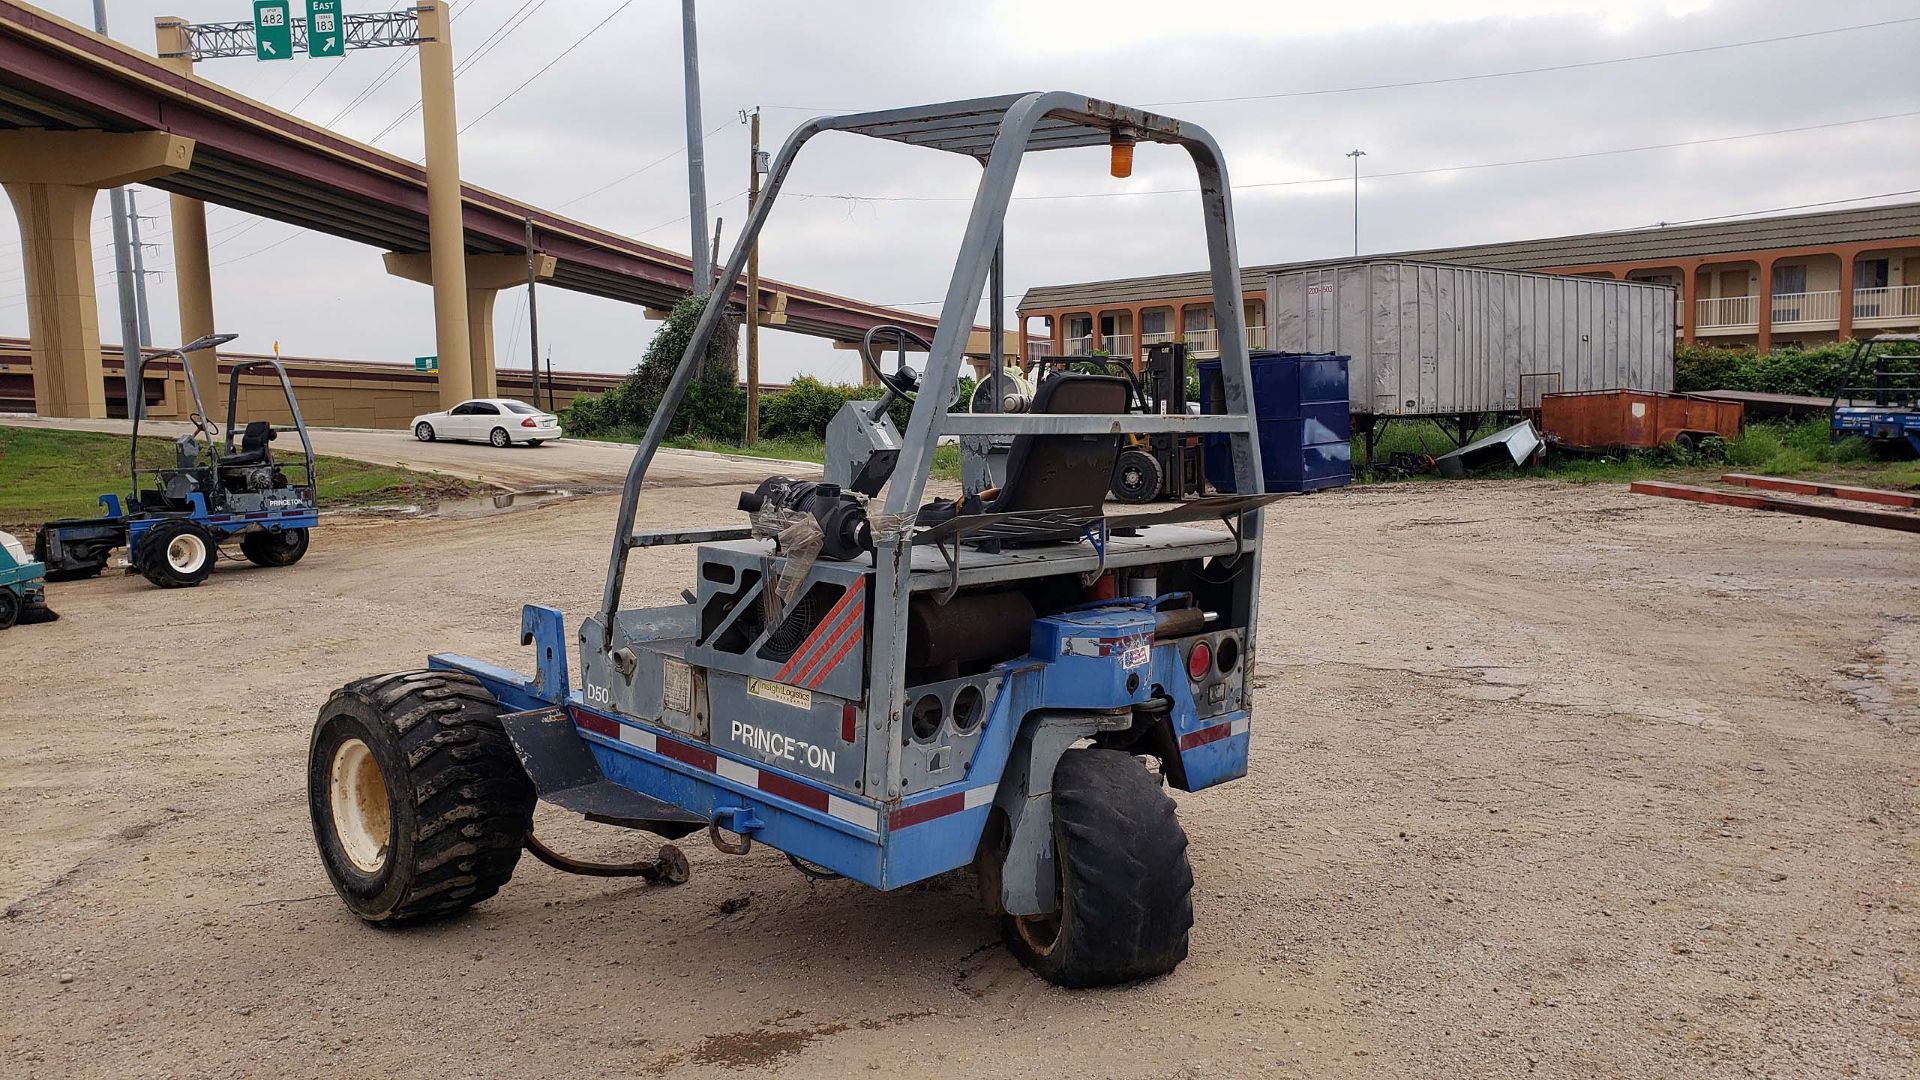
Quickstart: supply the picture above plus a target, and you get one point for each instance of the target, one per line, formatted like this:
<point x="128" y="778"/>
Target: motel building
<point x="1764" y="281"/>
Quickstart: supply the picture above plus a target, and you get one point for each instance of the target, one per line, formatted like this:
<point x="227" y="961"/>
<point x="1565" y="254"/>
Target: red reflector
<point x="848" y="719"/>
<point x="528" y="422"/>
<point x="1199" y="661"/>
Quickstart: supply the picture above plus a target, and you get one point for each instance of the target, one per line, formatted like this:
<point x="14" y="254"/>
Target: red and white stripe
<point x="738" y="772"/>
<point x="1205" y="735"/>
<point x="932" y="809"/>
<point x="836" y="635"/>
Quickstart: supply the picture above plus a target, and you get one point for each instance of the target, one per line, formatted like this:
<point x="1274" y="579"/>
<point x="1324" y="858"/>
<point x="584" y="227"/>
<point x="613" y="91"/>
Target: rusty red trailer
<point x="1636" y="419"/>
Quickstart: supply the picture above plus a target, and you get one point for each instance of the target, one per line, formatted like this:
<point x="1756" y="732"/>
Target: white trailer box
<point x="1428" y="339"/>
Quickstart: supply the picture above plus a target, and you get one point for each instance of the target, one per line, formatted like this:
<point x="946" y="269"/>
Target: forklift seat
<point x="1053" y="472"/>
<point x="253" y="446"/>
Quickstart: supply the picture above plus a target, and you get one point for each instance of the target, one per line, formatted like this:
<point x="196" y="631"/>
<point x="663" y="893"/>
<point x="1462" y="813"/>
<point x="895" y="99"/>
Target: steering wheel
<point x="205" y="427"/>
<point x="904" y="382"/>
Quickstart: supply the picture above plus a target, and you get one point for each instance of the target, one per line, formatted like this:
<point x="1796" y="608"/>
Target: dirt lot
<point x="1547" y="781"/>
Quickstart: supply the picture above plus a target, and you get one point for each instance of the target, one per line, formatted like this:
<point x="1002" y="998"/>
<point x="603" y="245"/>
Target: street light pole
<point x="696" y="155"/>
<point x="755" y="170"/>
<point x="1356" y="154"/>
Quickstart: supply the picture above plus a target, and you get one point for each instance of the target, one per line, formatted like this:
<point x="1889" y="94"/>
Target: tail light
<point x="1199" y="661"/>
<point x="528" y="422"/>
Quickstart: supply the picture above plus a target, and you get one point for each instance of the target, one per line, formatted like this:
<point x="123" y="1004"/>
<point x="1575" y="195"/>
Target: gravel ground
<point x="1547" y="781"/>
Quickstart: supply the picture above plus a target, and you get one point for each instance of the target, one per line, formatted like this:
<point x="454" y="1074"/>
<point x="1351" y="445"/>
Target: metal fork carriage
<point x="880" y="690"/>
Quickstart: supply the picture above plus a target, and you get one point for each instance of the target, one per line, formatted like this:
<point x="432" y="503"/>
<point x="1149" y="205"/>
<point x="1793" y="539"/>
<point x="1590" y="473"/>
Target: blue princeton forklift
<point x="1878" y="398"/>
<point x="176" y="517"/>
<point x="879" y="688"/>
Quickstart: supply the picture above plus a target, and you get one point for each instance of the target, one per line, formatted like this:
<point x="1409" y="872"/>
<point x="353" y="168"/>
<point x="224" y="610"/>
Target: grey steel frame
<point x="200" y="410"/>
<point x="997" y="132"/>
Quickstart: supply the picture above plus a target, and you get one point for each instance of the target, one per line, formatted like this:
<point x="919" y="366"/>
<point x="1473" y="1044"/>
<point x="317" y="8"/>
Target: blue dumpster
<point x="1305" y="426"/>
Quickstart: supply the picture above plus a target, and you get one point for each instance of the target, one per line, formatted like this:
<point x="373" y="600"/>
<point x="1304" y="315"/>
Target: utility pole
<point x="123" y="273"/>
<point x="756" y="168"/>
<point x="1356" y="154"/>
<point x="533" y="322"/>
<point x="139" y="269"/>
<point x="696" y="155"/>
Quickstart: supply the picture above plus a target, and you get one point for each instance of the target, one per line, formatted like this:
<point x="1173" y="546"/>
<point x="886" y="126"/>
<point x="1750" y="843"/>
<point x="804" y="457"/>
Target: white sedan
<point x="500" y="421"/>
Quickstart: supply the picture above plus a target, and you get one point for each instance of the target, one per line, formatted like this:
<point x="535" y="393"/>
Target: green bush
<point x="1814" y="371"/>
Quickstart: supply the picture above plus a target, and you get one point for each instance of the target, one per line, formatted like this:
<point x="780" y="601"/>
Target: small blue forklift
<point x="1878" y="398"/>
<point x="176" y="518"/>
<point x="879" y="688"/>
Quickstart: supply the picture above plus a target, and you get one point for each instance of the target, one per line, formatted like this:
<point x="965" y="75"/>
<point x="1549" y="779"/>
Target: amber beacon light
<point x="1122" y="164"/>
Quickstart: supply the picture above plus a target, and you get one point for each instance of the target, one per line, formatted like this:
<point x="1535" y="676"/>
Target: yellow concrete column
<point x="192" y="271"/>
<point x="52" y="178"/>
<point x="485" y="276"/>
<point x="63" y="317"/>
<point x="446" y="230"/>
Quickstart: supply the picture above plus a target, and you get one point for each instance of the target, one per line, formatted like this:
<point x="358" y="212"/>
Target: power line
<point x="662" y="160"/>
<point x="1784" y="209"/>
<point x="1383" y="175"/>
<point x="487" y="45"/>
<point x="1546" y="68"/>
<point x="581" y="40"/>
<point x="1578" y="65"/>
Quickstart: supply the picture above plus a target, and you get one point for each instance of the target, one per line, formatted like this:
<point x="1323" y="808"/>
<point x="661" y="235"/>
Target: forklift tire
<point x="420" y="806"/>
<point x="266" y="548"/>
<point x="176" y="554"/>
<point x="9" y="608"/>
<point x="1126" y="888"/>
<point x="1136" y="477"/>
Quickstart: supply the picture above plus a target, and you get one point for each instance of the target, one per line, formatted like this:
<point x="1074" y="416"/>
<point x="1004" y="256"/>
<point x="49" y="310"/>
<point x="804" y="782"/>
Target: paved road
<point x="569" y="463"/>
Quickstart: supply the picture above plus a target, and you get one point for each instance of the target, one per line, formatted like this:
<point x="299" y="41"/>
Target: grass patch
<point x="54" y="474"/>
<point x="1775" y="448"/>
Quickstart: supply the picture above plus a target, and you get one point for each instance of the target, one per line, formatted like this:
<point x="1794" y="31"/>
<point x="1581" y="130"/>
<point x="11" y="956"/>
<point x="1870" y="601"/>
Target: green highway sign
<point x="325" y="35"/>
<point x="426" y="363"/>
<point x="272" y="30"/>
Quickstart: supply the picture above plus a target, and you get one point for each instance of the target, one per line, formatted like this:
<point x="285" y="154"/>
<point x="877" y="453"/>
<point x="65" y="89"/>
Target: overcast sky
<point x="882" y="221"/>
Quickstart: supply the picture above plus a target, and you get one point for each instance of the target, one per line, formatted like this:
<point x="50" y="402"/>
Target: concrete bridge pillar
<point x="52" y="178"/>
<point x="485" y="276"/>
<point x="192" y="271"/>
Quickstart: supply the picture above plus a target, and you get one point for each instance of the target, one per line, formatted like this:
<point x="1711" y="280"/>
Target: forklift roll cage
<point x="211" y="450"/>
<point x="997" y="132"/>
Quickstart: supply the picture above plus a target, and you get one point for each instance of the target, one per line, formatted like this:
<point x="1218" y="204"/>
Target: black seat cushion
<point x="1061" y="472"/>
<point x="253" y="446"/>
<point x="1053" y="472"/>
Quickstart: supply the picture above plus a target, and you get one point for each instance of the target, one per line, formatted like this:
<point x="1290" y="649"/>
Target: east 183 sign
<point x="325" y="35"/>
<point x="272" y="30"/>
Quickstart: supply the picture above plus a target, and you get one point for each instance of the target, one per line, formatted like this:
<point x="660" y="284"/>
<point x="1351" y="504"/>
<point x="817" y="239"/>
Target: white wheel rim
<point x="362" y="819"/>
<point x="186" y="552"/>
<point x="423" y="432"/>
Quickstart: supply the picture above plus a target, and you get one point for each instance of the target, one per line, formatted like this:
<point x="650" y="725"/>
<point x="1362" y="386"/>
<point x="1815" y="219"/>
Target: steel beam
<point x="1831" y="491"/>
<point x="1882" y="519"/>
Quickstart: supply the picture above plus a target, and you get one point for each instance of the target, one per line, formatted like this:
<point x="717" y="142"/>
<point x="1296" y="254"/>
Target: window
<point x="1197" y="318"/>
<point x="519" y="408"/>
<point x="1789" y="279"/>
<point x="482" y="408"/>
<point x="465" y="408"/>
<point x="1870" y="274"/>
<point x="1154" y="321"/>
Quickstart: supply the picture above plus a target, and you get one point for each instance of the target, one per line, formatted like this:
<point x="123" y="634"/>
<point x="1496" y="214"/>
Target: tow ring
<point x="741" y="822"/>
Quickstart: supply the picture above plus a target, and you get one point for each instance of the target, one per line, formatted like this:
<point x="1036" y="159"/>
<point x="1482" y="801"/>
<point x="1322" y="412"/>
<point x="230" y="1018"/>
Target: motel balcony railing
<point x="1892" y="305"/>
<point x="1897" y="305"/>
